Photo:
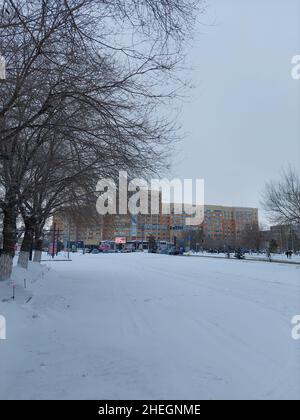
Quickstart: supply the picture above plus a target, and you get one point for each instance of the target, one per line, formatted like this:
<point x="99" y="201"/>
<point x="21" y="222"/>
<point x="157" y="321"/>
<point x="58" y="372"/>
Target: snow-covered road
<point x="142" y="326"/>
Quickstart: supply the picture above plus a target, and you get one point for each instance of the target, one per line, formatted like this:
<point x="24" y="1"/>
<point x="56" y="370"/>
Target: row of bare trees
<point x="281" y="202"/>
<point x="86" y="82"/>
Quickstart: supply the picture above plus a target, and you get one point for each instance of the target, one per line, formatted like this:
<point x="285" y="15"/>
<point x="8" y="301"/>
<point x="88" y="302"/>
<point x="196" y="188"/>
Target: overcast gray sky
<point x="243" y="118"/>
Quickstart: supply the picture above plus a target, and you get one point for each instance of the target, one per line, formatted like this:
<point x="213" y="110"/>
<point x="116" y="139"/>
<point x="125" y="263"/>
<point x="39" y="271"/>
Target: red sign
<point x="120" y="241"/>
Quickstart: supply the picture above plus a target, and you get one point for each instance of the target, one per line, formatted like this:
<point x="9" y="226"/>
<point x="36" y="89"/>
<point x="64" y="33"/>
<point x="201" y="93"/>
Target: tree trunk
<point x="37" y="256"/>
<point x="9" y="242"/>
<point x="38" y="246"/>
<point x="26" y="245"/>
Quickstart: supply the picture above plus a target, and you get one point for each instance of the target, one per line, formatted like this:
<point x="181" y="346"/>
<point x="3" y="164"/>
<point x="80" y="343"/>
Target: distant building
<point x="222" y="226"/>
<point x="282" y="237"/>
<point x="88" y="228"/>
<point x="287" y="237"/>
<point x="82" y="227"/>
<point x="229" y="225"/>
<point x="136" y="228"/>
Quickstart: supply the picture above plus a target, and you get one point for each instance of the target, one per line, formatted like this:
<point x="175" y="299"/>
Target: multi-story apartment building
<point x="91" y="228"/>
<point x="87" y="228"/>
<point x="135" y="228"/>
<point x="228" y="225"/>
<point x="222" y="226"/>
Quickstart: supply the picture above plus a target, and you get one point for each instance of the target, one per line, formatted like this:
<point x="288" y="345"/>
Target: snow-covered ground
<point x="133" y="326"/>
<point x="253" y="256"/>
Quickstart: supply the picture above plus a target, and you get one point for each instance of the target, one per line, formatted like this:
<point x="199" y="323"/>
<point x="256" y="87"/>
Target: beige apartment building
<point x="228" y="225"/>
<point x="222" y="226"/>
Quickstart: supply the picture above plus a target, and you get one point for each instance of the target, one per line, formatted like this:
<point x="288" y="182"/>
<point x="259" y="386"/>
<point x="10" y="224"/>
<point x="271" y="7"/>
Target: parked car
<point x="173" y="251"/>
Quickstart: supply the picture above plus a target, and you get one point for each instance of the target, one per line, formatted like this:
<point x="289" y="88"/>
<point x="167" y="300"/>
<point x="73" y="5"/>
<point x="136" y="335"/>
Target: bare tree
<point x="193" y="238"/>
<point x="251" y="237"/>
<point x="281" y="200"/>
<point x="95" y="94"/>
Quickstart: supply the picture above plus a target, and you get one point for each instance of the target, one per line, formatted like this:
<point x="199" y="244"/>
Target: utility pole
<point x="53" y="241"/>
<point x="31" y="250"/>
<point x="69" y="238"/>
<point x="142" y="228"/>
<point x="57" y="240"/>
